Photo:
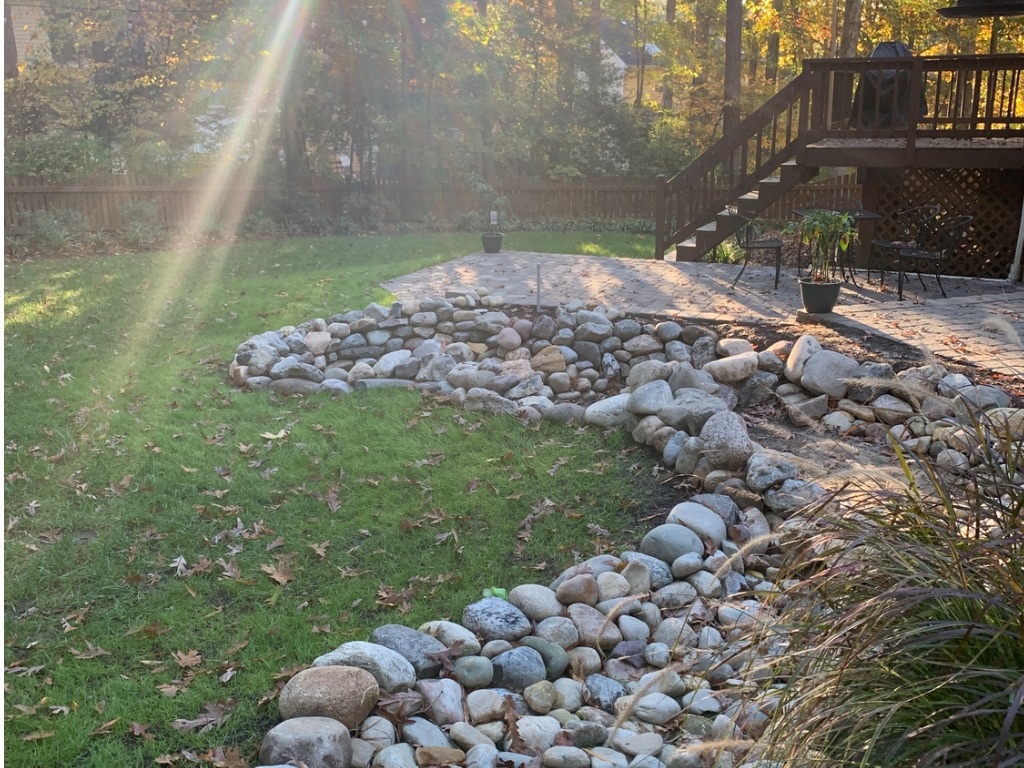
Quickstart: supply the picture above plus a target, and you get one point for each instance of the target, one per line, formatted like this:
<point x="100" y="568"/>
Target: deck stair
<point x="746" y="206"/>
<point x="971" y="111"/>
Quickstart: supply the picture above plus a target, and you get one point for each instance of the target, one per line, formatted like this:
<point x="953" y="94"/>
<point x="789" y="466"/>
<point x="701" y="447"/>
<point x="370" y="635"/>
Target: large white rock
<point x="734" y="368"/>
<point x="706" y="523"/>
<point x="826" y="373"/>
<point x="609" y="413"/>
<point x="802" y="350"/>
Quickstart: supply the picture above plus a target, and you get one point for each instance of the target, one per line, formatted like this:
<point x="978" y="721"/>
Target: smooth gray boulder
<point x="495" y="619"/>
<point x="392" y="671"/>
<point x="412" y="645"/>
<point x="319" y="742"/>
<point x="668" y="541"/>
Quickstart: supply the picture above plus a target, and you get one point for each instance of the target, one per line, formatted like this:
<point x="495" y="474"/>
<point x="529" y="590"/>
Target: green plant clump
<point x="826" y="234"/>
<point x="54" y="230"/>
<point x="908" y="646"/>
<point x="141" y="228"/>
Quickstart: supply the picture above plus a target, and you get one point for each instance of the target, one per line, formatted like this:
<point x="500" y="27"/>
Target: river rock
<point x="320" y="742"/>
<point x="391" y="670"/>
<point x="537" y="602"/>
<point x="414" y="646"/>
<point x="668" y="541"/>
<point x="495" y="619"/>
<point x="347" y="694"/>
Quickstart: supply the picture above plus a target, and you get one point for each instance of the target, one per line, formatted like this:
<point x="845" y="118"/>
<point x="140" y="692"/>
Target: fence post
<point x="660" y="224"/>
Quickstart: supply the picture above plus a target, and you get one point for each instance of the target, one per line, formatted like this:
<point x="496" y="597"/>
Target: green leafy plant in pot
<point x="825" y="234"/>
<point x="493" y="205"/>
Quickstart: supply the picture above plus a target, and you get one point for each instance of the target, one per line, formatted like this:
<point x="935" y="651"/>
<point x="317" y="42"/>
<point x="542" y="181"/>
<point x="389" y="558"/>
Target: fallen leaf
<point x="186" y="660"/>
<point x="214" y="714"/>
<point x="141" y="731"/>
<point x="236" y="648"/>
<point x="562" y="461"/>
<point x="230" y="570"/>
<point x="105" y="728"/>
<point x="280" y="573"/>
<point x="92" y="652"/>
<point x="38" y="735"/>
<point x="228" y="674"/>
<point x="274" y="436"/>
<point x="320" y="550"/>
<point x="278" y="542"/>
<point x="332" y="500"/>
<point x="179" y="565"/>
<point x="446" y="656"/>
<point x="165" y="760"/>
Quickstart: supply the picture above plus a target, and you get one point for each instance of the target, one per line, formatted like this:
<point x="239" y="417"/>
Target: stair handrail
<point x="787" y="111"/>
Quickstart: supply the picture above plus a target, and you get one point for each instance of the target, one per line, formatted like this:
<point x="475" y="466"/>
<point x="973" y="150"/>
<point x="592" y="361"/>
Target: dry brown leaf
<point x="38" y="735"/>
<point x="214" y="714"/>
<point x="280" y="573"/>
<point x="185" y="660"/>
<point x="104" y="729"/>
<point x="320" y="550"/>
<point x="92" y="652"/>
<point x="141" y="731"/>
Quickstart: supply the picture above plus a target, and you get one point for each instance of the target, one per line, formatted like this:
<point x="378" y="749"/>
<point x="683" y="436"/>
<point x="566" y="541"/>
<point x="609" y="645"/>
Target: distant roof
<point x="619" y="37"/>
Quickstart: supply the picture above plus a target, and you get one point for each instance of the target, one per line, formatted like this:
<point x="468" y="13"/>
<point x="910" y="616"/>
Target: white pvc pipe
<point x="1015" y="270"/>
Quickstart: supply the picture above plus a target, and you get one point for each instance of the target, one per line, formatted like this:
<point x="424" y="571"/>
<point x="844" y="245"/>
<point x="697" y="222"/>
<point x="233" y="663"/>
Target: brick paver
<point x="980" y="324"/>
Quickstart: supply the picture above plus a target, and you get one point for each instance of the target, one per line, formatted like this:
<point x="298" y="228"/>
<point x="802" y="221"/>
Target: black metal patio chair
<point x="936" y="246"/>
<point x="749" y="238"/>
<point x="909" y="226"/>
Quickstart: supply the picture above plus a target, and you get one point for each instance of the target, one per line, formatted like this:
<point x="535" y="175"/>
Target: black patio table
<point x="859" y="215"/>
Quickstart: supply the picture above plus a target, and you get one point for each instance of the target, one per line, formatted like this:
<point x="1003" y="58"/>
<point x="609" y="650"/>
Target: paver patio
<point x="980" y="324"/>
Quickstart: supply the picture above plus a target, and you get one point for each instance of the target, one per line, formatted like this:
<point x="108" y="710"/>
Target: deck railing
<point x="897" y="99"/>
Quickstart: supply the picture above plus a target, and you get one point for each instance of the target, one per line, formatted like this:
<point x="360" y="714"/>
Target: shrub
<point x="56" y="155"/>
<point x="470" y="221"/>
<point x="53" y="230"/>
<point x="907" y="647"/>
<point x="370" y="210"/>
<point x="258" y="224"/>
<point x="141" y="225"/>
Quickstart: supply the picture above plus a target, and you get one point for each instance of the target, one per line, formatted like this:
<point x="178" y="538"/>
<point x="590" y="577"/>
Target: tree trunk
<point x="851" y="29"/>
<point x="771" y="59"/>
<point x="666" y="84"/>
<point x="733" y="64"/>
<point x="10" y="46"/>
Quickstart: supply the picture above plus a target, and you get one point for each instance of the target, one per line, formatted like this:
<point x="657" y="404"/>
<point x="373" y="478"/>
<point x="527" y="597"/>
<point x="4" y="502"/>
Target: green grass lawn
<point x="174" y="547"/>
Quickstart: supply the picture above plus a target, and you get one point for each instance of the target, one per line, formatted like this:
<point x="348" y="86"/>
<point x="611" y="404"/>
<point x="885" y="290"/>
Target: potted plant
<point x="493" y="206"/>
<point x="827" y="235"/>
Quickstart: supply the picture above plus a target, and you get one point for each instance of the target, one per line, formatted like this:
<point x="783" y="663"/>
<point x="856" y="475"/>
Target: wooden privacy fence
<point x="101" y="200"/>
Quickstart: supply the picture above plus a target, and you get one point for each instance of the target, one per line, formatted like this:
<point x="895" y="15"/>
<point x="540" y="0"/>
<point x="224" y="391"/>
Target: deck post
<point x="660" y="208"/>
<point x="914" y="110"/>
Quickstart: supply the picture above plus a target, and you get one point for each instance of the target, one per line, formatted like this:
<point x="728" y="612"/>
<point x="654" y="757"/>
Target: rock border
<point x="594" y="667"/>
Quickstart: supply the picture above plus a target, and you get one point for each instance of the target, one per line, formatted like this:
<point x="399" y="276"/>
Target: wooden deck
<point x="979" y="152"/>
<point x="923" y="117"/>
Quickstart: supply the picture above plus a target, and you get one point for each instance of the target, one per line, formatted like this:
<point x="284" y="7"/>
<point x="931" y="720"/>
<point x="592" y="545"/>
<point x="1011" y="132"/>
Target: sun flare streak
<point x="227" y="186"/>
